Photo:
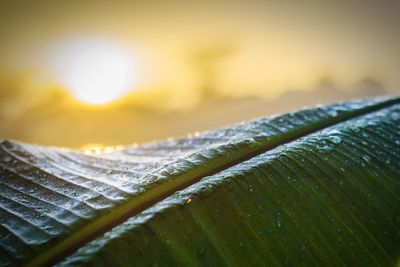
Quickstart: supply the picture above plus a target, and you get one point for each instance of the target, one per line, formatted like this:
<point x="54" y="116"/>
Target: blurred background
<point x="75" y="73"/>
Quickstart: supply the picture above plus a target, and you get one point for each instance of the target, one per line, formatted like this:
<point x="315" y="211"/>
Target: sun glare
<point x="95" y="149"/>
<point x="96" y="72"/>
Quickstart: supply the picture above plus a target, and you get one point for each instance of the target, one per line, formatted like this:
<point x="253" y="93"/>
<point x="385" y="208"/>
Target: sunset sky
<point x="274" y="44"/>
<point x="188" y="50"/>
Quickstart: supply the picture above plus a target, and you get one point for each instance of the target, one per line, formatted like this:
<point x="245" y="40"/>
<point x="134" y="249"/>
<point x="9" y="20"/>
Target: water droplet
<point x="335" y="139"/>
<point x="324" y="146"/>
<point x="395" y="116"/>
<point x="366" y="158"/>
<point x="365" y="134"/>
<point x="332" y="112"/>
<point x="364" y="143"/>
<point x="251" y="189"/>
<point x="278" y="223"/>
<point x="315" y="188"/>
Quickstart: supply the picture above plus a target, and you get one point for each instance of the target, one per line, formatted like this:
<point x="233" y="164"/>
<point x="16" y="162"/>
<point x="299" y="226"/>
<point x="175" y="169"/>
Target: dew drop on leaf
<point x="278" y="223"/>
<point x="366" y="158"/>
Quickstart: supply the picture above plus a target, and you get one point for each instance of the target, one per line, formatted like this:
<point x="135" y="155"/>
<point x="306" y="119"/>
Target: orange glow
<point x="118" y="72"/>
<point x="95" y="149"/>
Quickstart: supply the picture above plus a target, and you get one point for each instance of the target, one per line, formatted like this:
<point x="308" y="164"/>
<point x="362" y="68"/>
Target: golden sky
<point x="270" y="45"/>
<point x="183" y="66"/>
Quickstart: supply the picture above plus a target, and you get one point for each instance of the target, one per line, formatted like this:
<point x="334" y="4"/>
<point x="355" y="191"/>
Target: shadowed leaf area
<point x="315" y="187"/>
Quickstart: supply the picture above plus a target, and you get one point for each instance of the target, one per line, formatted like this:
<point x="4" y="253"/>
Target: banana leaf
<point x="315" y="187"/>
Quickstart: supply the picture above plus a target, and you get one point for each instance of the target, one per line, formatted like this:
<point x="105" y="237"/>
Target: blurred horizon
<point x="195" y="65"/>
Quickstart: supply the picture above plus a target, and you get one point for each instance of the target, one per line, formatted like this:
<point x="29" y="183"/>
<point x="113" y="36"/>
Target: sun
<point x="95" y="71"/>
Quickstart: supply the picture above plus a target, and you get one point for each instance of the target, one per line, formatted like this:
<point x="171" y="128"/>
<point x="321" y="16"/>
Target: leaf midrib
<point x="141" y="202"/>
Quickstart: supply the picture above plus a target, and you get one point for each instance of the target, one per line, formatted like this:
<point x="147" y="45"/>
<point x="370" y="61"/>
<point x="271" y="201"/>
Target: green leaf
<point x="315" y="187"/>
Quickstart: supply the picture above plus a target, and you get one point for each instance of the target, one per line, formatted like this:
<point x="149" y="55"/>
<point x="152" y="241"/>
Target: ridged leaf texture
<point x="316" y="187"/>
